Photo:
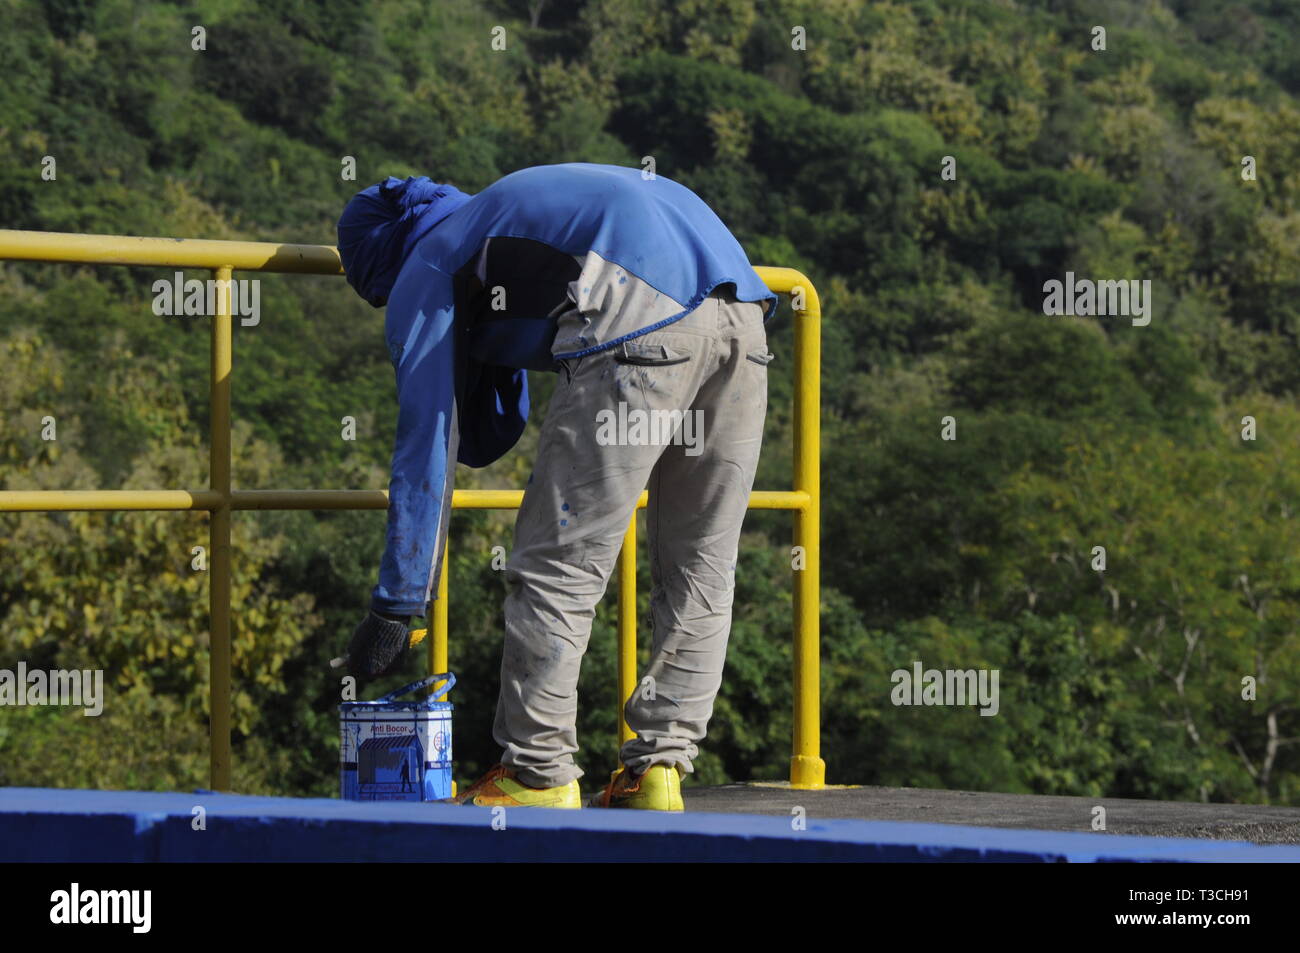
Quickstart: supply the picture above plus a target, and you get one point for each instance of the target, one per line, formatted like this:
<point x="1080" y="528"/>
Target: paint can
<point x="393" y="750"/>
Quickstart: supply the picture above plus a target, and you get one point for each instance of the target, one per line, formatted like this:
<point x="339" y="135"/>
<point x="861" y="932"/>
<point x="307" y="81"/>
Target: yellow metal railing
<point x="807" y="770"/>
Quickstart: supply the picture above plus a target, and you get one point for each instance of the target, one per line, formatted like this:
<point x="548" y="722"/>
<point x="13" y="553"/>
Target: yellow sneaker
<point x="658" y="789"/>
<point x="499" y="788"/>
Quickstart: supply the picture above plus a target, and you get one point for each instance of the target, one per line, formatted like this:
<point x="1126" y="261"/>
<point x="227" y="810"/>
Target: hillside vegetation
<point x="977" y="552"/>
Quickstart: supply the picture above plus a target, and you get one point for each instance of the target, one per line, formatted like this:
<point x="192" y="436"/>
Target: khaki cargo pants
<point x="678" y="411"/>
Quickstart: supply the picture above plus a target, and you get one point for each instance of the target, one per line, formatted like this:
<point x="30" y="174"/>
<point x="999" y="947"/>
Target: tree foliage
<point x="966" y="553"/>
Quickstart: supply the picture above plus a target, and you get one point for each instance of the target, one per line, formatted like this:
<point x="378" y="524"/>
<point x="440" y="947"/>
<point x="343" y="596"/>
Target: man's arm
<point x="420" y="331"/>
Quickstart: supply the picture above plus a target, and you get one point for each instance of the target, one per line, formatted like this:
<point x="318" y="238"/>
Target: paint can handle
<point x="423" y="683"/>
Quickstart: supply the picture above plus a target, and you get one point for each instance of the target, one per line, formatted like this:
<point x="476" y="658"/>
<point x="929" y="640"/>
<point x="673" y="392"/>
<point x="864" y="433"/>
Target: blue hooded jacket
<point x="462" y="386"/>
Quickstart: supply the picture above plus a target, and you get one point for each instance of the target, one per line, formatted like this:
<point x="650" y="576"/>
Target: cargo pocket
<point x="648" y="355"/>
<point x="761" y="356"/>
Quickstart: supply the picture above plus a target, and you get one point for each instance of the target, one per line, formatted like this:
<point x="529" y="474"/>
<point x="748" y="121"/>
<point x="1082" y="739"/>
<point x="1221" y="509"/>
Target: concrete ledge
<point x="1257" y="823"/>
<point x="39" y="824"/>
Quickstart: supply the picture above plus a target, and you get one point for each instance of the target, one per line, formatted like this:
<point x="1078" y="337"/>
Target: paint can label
<point x="397" y="751"/>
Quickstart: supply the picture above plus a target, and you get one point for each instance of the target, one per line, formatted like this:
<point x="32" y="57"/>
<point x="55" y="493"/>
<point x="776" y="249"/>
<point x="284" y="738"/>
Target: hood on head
<point x="381" y="224"/>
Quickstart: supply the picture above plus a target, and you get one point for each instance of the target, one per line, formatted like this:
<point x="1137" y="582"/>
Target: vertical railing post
<point x="626" y="626"/>
<point x="807" y="769"/>
<point x="219" y="538"/>
<point x="438" y="660"/>
<point x="438" y="657"/>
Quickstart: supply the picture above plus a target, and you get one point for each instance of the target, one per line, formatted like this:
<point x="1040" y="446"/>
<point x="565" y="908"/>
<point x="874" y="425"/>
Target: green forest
<point x="928" y="165"/>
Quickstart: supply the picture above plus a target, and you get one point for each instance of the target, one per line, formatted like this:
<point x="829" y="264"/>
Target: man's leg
<point x="576" y="509"/>
<point x="697" y="505"/>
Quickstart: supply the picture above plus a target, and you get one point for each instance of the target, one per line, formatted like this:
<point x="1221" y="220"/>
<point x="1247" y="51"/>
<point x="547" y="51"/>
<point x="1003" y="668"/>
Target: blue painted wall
<point x="39" y="824"/>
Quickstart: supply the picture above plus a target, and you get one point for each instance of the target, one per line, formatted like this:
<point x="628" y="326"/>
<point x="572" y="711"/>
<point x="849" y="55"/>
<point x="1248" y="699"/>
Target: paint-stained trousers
<point x="593" y="461"/>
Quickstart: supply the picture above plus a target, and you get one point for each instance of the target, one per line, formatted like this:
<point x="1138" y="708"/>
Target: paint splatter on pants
<point x="609" y="433"/>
